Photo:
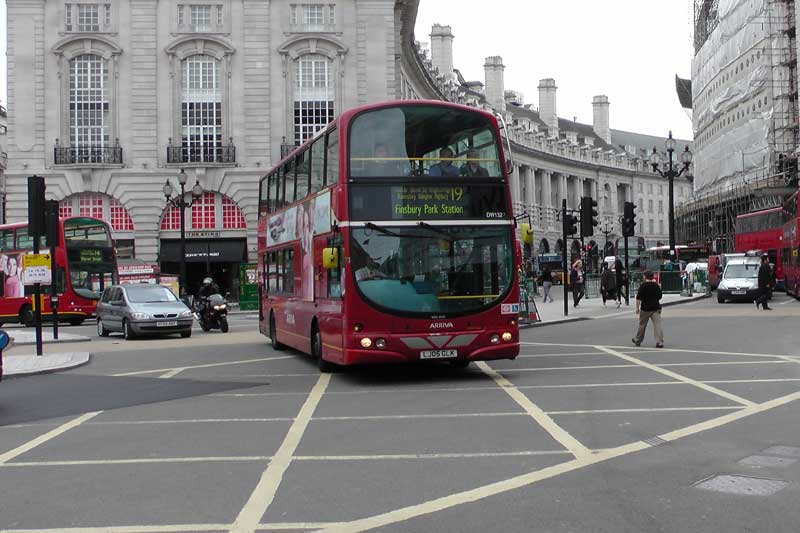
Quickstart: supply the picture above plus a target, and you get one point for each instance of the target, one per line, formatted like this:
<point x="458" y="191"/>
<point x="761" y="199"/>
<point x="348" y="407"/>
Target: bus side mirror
<point x="330" y="258"/>
<point x="526" y="232"/>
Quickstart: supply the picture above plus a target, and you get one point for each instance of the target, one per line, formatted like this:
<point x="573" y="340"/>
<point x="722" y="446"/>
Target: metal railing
<point x="93" y="155"/>
<point x="286" y="149"/>
<point x="201" y="154"/>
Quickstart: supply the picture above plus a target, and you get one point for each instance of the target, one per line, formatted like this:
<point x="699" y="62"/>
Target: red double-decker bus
<point x="762" y="230"/>
<point x="791" y="245"/>
<point x="85" y="264"/>
<point x="389" y="237"/>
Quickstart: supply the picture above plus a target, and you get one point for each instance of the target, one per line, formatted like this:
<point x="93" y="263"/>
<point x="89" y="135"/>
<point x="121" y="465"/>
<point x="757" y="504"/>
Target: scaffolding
<point x="706" y="18"/>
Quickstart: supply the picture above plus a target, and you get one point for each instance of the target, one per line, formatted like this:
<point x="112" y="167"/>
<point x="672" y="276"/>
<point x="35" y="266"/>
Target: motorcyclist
<point x="208" y="288"/>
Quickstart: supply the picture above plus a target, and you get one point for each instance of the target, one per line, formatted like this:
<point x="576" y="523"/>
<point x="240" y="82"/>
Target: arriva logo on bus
<point x="441" y="325"/>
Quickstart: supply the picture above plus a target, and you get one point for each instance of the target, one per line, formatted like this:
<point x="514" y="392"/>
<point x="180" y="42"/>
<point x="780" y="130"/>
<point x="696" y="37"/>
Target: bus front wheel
<point x="26" y="316"/>
<point x="273" y="334"/>
<point x="316" y="351"/>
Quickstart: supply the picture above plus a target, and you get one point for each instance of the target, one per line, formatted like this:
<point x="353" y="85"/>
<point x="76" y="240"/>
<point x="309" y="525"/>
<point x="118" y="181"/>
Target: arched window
<point x="88" y="107"/>
<point x="205" y="214"/>
<point x="97" y="205"/>
<point x="314" y="95"/>
<point x="201" y="109"/>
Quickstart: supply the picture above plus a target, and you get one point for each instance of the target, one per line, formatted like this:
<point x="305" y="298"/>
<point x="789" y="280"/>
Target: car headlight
<point x="186" y="314"/>
<point x="723" y="285"/>
<point x="220" y="307"/>
<point x="140" y="316"/>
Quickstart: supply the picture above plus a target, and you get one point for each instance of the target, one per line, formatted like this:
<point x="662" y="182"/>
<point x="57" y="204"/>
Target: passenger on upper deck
<point x="472" y="168"/>
<point x="445" y="166"/>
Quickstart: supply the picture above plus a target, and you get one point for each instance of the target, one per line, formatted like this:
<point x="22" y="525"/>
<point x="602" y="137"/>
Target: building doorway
<point x="218" y="258"/>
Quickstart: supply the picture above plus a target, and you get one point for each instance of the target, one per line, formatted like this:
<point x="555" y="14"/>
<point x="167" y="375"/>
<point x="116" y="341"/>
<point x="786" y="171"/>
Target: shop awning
<point x="204" y="250"/>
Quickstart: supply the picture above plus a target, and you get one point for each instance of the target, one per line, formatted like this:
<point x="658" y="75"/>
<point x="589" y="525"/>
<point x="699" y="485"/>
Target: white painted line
<point x="210" y="365"/>
<point x="788" y="301"/>
<point x="142" y="460"/>
<point x="679" y="377"/>
<point x="630" y="349"/>
<point x="412" y="417"/>
<point x="172" y="373"/>
<point x="715" y="363"/>
<point x="185" y="421"/>
<point x="305" y="526"/>
<point x="775" y="380"/>
<point x="517" y="482"/>
<point x="41" y="439"/>
<point x="409" y="456"/>
<point x="262" y="496"/>
<point x="525" y="356"/>
<point x="254" y="394"/>
<point x="589" y="367"/>
<point x="548" y="424"/>
<point x="643" y="410"/>
<point x="127" y="529"/>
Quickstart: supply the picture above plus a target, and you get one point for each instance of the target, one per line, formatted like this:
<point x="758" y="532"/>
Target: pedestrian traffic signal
<point x="588" y="216"/>
<point x="629" y="220"/>
<point x="570" y="224"/>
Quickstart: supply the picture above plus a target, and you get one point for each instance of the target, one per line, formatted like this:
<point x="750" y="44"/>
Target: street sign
<point x="36" y="269"/>
<point x="4" y="340"/>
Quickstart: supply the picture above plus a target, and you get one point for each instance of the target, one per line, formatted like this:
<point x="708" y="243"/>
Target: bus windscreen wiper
<point x="381" y="229"/>
<point x="434" y="229"/>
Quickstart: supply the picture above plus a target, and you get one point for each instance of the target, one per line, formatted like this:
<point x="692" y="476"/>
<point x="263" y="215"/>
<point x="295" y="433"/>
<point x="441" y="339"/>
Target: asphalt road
<point x="583" y="432"/>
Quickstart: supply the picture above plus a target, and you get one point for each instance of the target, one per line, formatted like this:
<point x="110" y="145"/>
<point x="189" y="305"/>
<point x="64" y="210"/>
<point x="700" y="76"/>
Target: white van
<point x="739" y="280"/>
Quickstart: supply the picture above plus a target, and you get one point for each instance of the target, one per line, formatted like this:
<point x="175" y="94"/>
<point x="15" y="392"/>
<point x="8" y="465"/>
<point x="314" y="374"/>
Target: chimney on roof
<point x="442" y="49"/>
<point x="601" y="124"/>
<point x="547" y="103"/>
<point x="495" y="82"/>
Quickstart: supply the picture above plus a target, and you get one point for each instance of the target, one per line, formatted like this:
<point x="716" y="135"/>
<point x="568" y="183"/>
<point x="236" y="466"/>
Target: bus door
<point x="328" y="281"/>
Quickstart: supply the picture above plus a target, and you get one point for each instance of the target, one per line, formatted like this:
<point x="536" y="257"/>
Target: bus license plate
<point x="438" y="354"/>
<point x="740" y="293"/>
<point x="167" y="324"/>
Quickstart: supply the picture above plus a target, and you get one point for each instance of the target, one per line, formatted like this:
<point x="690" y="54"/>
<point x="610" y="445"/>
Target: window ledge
<point x="200" y="164"/>
<point x="88" y="165"/>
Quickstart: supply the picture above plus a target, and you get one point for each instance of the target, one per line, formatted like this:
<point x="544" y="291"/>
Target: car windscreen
<point x="747" y="270"/>
<point x="149" y="295"/>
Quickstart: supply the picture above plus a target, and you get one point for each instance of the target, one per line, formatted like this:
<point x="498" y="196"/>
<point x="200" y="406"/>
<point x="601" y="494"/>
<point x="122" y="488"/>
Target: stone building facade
<point x="109" y="99"/>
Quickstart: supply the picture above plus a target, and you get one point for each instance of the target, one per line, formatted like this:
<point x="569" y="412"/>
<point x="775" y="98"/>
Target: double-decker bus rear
<point x="417" y="259"/>
<point x="791" y="245"/>
<point x="762" y="230"/>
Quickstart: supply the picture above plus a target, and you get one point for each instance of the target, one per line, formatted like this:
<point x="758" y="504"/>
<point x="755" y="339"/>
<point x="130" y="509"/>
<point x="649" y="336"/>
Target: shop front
<point x="219" y="258"/>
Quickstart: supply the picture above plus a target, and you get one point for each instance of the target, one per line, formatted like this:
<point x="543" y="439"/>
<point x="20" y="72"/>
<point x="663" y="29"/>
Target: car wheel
<point x="127" y="332"/>
<point x="101" y="329"/>
<point x="720" y="299"/>
<point x="186" y="334"/>
<point x="273" y="334"/>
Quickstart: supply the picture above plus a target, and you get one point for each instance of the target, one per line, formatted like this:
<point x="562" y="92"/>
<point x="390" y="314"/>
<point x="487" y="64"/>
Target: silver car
<point x="142" y="310"/>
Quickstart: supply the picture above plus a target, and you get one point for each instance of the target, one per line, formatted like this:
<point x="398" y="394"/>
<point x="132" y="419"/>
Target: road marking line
<point x="128" y="529"/>
<point x="679" y="377"/>
<point x="643" y="410"/>
<point x="185" y="421"/>
<point x="526" y="356"/>
<point x="775" y="380"/>
<point x="788" y="301"/>
<point x="401" y="456"/>
<point x="592" y="367"/>
<point x="41" y="439"/>
<point x="305" y="526"/>
<point x="210" y="365"/>
<point x="548" y="424"/>
<point x="142" y="460"/>
<point x="172" y="373"/>
<point x="711" y="363"/>
<point x="262" y="496"/>
<point x="632" y="349"/>
<point x="524" y="480"/>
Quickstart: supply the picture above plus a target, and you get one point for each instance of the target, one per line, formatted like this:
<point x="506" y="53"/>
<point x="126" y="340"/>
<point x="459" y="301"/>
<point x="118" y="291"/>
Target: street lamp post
<point x="671" y="174"/>
<point x="181" y="204"/>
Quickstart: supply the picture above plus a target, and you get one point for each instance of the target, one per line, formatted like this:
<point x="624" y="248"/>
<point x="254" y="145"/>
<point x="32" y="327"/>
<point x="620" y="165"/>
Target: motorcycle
<point x="213" y="313"/>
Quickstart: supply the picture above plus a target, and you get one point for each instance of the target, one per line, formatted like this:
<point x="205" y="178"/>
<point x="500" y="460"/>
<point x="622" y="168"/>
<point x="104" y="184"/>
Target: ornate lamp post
<point x="671" y="174"/>
<point x="182" y="203"/>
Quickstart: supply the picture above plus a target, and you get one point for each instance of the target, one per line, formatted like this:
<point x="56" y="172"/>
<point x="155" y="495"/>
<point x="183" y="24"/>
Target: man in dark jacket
<point x="764" y="283"/>
<point x="648" y="307"/>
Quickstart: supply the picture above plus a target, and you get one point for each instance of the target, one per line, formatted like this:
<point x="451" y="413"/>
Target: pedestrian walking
<point x="764" y="283"/>
<point x="577" y="279"/>
<point x="546" y="279"/>
<point x="608" y="284"/>
<point x="620" y="275"/>
<point x="648" y="307"/>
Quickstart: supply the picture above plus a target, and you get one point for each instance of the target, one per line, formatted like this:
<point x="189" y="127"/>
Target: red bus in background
<point x="762" y="230"/>
<point x="389" y="237"/>
<point x="85" y="264"/>
<point x="791" y="245"/>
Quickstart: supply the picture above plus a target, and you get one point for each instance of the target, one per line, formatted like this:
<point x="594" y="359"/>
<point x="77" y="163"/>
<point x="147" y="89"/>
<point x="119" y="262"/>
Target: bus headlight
<point x="495" y="338"/>
<point x="507" y="336"/>
<point x="380" y="343"/>
<point x="366" y="342"/>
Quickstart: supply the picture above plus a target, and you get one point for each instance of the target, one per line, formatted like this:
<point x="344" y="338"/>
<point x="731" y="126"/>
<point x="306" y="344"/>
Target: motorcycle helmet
<point x="207" y="281"/>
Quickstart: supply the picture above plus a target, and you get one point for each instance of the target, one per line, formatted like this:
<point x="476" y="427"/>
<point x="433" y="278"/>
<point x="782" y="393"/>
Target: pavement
<point x="593" y="308"/>
<point x="27" y="337"/>
<point x="29" y="365"/>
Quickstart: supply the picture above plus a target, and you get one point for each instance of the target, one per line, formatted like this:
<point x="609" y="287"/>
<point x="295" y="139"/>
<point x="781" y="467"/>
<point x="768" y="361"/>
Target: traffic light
<point x="570" y="224"/>
<point x="629" y="220"/>
<point x="588" y="216"/>
<point x="36" y="225"/>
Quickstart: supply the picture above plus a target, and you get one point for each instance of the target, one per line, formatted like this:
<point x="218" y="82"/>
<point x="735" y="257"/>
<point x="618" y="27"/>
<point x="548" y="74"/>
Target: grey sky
<point x="629" y="50"/>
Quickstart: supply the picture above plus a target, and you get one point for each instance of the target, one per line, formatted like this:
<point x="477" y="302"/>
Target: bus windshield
<point x="432" y="270"/>
<point x="419" y="140"/>
<point x="90" y="255"/>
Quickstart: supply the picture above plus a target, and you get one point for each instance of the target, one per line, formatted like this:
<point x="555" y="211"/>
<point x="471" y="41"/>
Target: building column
<point x="530" y="183"/>
<point x="514" y="177"/>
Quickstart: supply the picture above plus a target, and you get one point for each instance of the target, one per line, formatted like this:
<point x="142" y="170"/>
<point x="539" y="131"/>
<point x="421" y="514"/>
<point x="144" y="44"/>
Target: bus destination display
<point x="413" y="202"/>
